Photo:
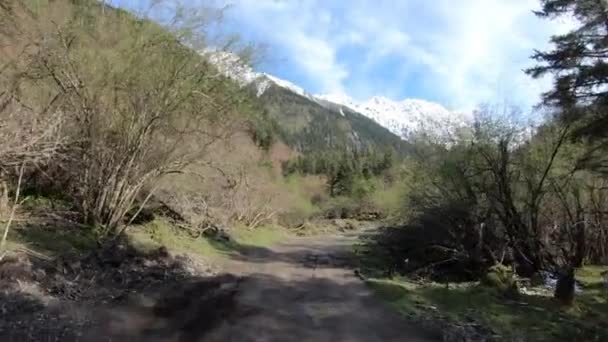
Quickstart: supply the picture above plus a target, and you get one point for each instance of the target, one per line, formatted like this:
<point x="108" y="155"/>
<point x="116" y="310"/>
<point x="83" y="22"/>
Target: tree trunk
<point x="564" y="290"/>
<point x="580" y="245"/>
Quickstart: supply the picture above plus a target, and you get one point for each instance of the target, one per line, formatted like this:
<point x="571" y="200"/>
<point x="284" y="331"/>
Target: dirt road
<point x="303" y="290"/>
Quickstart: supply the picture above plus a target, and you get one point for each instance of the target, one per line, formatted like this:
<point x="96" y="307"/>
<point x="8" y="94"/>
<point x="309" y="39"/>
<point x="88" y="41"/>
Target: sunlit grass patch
<point x="161" y="232"/>
<point x="537" y="318"/>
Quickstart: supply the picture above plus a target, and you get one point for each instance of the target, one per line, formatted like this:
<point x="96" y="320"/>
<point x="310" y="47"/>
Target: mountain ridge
<point x="402" y="118"/>
<point x="405" y="117"/>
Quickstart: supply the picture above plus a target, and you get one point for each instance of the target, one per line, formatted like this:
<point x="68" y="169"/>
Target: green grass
<point x="48" y="237"/>
<point x="537" y="318"/>
<point x="53" y="240"/>
<point x="264" y="236"/>
<point x="590" y="275"/>
<point x="301" y="203"/>
<point x="389" y="198"/>
<point x="161" y="233"/>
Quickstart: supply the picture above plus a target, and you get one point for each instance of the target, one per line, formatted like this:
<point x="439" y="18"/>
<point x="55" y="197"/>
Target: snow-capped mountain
<point x="232" y="66"/>
<point x="400" y="117"/>
<point x="404" y="117"/>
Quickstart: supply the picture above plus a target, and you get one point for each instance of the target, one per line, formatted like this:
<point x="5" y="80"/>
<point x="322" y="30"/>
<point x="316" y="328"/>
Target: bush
<point x="136" y="102"/>
<point x="319" y="199"/>
<point x="363" y="187"/>
<point x="293" y="219"/>
<point x="263" y="131"/>
<point x="432" y="246"/>
<point x="503" y="279"/>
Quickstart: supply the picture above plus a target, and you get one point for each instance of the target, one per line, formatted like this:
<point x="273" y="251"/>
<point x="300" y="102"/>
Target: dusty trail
<point x="302" y="290"/>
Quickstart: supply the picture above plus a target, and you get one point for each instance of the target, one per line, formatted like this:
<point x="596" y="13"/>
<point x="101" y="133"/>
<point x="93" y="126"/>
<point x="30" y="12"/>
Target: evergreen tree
<point x="388" y="159"/>
<point x="579" y="62"/>
<point x="341" y="183"/>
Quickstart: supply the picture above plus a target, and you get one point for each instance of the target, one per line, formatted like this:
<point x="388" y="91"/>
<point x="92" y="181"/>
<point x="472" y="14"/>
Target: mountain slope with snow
<point x="232" y="66"/>
<point x="308" y="126"/>
<point x="403" y="117"/>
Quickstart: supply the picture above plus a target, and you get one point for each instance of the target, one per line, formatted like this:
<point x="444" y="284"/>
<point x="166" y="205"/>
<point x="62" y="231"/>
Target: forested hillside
<point x="310" y="127"/>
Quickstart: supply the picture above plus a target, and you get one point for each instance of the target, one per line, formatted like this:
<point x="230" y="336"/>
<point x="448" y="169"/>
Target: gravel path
<point x="303" y="290"/>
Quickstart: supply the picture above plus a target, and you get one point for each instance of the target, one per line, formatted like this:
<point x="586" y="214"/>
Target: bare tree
<point x="246" y="208"/>
<point x="138" y="103"/>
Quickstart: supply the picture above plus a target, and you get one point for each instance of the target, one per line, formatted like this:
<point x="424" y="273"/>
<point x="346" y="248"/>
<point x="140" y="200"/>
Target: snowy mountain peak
<point x="379" y="100"/>
<point x="286" y="84"/>
<point x="232" y="66"/>
<point x="400" y="117"/>
<point x="403" y="117"/>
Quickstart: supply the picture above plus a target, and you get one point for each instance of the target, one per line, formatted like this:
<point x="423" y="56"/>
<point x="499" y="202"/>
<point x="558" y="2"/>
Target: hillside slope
<point x="308" y="126"/>
<point x="305" y="122"/>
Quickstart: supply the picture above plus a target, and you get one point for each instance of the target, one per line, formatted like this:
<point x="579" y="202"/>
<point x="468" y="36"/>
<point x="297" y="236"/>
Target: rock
<point x="217" y="233"/>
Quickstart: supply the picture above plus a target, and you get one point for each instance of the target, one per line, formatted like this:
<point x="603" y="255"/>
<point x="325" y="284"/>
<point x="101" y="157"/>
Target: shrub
<point x="136" y="100"/>
<point x="503" y="279"/>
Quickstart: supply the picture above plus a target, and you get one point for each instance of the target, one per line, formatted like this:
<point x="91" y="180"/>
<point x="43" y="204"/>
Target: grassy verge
<point x="264" y="236"/>
<point x="531" y="317"/>
<point x="51" y="240"/>
<point x="161" y="233"/>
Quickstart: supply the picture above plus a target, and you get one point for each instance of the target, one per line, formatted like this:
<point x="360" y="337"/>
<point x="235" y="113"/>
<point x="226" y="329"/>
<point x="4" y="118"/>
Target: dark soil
<point x="112" y="294"/>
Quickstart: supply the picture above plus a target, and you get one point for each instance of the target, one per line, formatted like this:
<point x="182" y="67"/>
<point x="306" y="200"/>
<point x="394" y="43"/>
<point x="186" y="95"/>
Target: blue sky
<point x="458" y="53"/>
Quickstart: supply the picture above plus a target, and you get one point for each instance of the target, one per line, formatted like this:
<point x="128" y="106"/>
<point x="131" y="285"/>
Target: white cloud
<point x="318" y="58"/>
<point x="484" y="49"/>
<point x="299" y="30"/>
<point x="469" y="51"/>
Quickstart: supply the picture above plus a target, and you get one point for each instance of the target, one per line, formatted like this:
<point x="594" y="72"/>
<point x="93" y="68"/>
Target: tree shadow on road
<point x="297" y="253"/>
<point x="113" y="293"/>
<point x="118" y="294"/>
<point x="313" y="308"/>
